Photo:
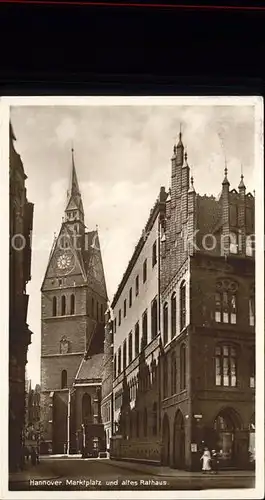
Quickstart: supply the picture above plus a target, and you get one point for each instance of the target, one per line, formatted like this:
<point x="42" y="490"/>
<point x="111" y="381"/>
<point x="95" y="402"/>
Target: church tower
<point x="73" y="303"/>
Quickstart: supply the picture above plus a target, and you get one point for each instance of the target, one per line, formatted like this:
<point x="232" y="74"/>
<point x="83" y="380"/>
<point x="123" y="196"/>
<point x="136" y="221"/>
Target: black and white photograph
<point x="135" y="289"/>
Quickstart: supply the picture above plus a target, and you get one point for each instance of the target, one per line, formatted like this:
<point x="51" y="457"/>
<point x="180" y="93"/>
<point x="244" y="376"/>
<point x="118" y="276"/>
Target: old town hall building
<point x="73" y="305"/>
<point x="184" y="329"/>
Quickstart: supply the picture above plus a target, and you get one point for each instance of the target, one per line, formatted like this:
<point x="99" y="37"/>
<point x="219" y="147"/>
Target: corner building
<point x="74" y="300"/>
<point x="191" y="384"/>
<point x="208" y="316"/>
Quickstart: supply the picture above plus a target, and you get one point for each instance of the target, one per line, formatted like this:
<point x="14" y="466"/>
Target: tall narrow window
<point x="115" y="366"/>
<point x="63" y="306"/>
<point x="124" y="308"/>
<point x="225" y="366"/>
<point x="130" y="347"/>
<point x="137" y="285"/>
<point x="97" y="311"/>
<point x="145" y="422"/>
<point x="124" y="354"/>
<point x="86" y="408"/>
<point x="144" y="329"/>
<point x="165" y="323"/>
<point x="252" y="369"/>
<point x="154" y="255"/>
<point x="101" y="313"/>
<point x="72" y="307"/>
<point x="173" y="374"/>
<point x="233" y="243"/>
<point x="226" y="302"/>
<point x="250" y="244"/>
<point x="115" y="325"/>
<point x="54" y="306"/>
<point x="119" y="361"/>
<point x="154" y="319"/>
<point x="165" y="378"/>
<point x="136" y="339"/>
<point x="252" y="311"/>
<point x="145" y="271"/>
<point x="130" y="297"/>
<point x="119" y="317"/>
<point x="64" y="379"/>
<point x="182" y="305"/>
<point x="183" y="380"/>
<point x="154" y="419"/>
<point x="92" y="307"/>
<point x="173" y="315"/>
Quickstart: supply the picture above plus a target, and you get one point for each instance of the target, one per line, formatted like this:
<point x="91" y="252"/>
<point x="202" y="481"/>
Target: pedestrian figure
<point x="206" y="461"/>
<point x="214" y="462"/>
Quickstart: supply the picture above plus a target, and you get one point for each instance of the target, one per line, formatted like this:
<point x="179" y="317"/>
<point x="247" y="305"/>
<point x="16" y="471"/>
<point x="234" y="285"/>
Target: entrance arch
<point x="226" y="424"/>
<point x="165" y="441"/>
<point x="179" y="441"/>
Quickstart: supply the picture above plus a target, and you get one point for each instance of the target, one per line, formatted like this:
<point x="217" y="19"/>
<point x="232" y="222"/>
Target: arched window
<point x="130" y="347"/>
<point x="173" y="315"/>
<point x="86" y="409"/>
<point x="252" y="369"/>
<point x="136" y="339"/>
<point x="154" y="319"/>
<point x="226" y="302"/>
<point x="225" y="366"/>
<point x="64" y="379"/>
<point x="119" y="361"/>
<point x="72" y="304"/>
<point x="233" y="243"/>
<point x="154" y="419"/>
<point x="145" y="422"/>
<point x="101" y="313"/>
<point x="183" y="367"/>
<point x="182" y="305"/>
<point x="97" y="310"/>
<point x="63" y="306"/>
<point x="115" y="366"/>
<point x="144" y="329"/>
<point x="124" y="354"/>
<point x="173" y="373"/>
<point x="165" y="323"/>
<point x="54" y="306"/>
<point x="165" y="378"/>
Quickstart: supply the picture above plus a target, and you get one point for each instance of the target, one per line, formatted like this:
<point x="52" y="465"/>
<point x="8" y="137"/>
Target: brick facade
<point x="204" y="376"/>
<point x="73" y="304"/>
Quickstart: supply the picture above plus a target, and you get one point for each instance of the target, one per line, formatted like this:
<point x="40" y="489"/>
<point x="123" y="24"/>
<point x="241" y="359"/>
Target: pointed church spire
<point x="74" y="188"/>
<point x="74" y="209"/>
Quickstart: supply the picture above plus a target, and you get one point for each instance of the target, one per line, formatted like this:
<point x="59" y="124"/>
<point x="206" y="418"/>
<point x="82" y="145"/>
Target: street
<point x="103" y="474"/>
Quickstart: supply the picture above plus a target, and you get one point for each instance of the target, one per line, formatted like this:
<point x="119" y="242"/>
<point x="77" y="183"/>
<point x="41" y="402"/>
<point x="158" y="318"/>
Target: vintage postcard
<point x="132" y="297"/>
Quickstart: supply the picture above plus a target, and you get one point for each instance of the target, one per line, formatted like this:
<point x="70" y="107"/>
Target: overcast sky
<point x="122" y="157"/>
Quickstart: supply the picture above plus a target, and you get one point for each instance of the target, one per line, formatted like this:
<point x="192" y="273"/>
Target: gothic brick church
<point x="73" y="303"/>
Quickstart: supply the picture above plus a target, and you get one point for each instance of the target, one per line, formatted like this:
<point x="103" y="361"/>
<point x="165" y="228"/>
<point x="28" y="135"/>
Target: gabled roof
<point x="90" y="368"/>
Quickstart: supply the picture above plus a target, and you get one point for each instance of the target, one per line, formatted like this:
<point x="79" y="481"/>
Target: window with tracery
<point x="226" y="301"/>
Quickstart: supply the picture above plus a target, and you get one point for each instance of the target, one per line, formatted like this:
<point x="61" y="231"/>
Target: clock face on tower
<point x="65" y="262"/>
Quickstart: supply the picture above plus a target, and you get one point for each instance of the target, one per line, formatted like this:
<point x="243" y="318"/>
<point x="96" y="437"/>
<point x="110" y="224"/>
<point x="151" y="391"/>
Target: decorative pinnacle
<point x="225" y="181"/>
